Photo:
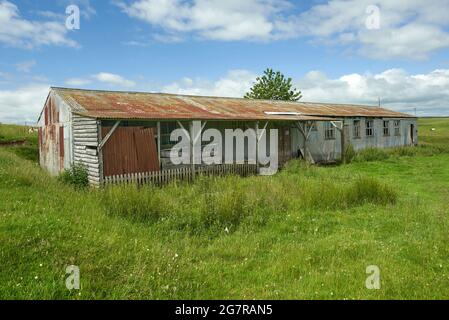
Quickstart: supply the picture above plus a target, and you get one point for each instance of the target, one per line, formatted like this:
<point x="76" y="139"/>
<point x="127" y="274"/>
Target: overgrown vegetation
<point x="77" y="176"/>
<point x="212" y="205"/>
<point x="308" y="232"/>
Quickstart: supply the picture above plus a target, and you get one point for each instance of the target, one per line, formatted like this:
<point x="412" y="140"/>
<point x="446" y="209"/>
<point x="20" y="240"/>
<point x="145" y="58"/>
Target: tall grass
<point x="371" y="154"/>
<point x="214" y="204"/>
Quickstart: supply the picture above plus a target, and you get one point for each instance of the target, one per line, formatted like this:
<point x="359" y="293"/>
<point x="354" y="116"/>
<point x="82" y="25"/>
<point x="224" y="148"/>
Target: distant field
<point x="12" y="134"/>
<point x="306" y="233"/>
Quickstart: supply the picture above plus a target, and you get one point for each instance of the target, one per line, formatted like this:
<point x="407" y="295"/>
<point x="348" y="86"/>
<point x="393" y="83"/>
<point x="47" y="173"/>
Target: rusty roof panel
<point x="160" y="106"/>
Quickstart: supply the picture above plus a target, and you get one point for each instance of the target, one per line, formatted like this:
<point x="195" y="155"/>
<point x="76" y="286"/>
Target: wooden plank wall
<point x="181" y="174"/>
<point x="85" y="145"/>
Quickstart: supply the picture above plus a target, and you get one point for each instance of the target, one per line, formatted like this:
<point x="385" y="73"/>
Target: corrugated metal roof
<point x="160" y="106"/>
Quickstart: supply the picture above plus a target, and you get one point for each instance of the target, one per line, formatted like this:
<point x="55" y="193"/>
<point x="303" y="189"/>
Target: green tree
<point x="273" y="86"/>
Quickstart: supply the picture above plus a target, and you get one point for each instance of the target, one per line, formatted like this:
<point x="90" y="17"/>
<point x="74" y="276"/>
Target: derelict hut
<point x="121" y="136"/>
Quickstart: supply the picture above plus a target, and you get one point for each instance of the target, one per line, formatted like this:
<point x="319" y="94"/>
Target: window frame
<point x="369" y="129"/>
<point x="357" y="129"/>
<point x="386" y="129"/>
<point x="397" y="128"/>
<point x="329" y="131"/>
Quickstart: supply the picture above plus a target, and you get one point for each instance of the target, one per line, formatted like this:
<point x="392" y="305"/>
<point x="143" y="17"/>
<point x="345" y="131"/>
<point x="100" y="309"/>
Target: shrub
<point x="76" y="176"/>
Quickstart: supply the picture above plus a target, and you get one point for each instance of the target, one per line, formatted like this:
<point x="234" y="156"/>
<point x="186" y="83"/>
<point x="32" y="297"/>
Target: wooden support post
<point x="301" y="129"/>
<point x="344" y="145"/>
<point x="100" y="154"/>
<point x="342" y="137"/>
<point x="257" y="146"/>
<point x="192" y="147"/>
<point x="159" y="144"/>
<point x="305" y="141"/>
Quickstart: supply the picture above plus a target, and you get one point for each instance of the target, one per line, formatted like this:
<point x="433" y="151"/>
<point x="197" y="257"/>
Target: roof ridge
<point x="220" y="97"/>
<point x="170" y="105"/>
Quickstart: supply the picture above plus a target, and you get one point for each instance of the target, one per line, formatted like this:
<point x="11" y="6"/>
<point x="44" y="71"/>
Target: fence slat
<point x="181" y="174"/>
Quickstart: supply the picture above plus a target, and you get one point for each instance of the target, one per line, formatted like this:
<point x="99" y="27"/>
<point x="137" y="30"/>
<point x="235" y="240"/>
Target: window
<point x="166" y="130"/>
<point x="397" y="127"/>
<point x="386" y="128"/>
<point x="369" y="128"/>
<point x="329" y="131"/>
<point x="356" y="129"/>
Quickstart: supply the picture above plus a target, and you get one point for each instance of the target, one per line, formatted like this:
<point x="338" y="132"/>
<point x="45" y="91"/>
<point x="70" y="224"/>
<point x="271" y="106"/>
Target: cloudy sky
<point x="343" y="51"/>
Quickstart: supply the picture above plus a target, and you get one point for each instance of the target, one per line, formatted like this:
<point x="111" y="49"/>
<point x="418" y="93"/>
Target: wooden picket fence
<point x="182" y="174"/>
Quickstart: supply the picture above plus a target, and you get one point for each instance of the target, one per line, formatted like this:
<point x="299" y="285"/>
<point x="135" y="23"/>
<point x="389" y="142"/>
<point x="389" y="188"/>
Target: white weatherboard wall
<point x="324" y="150"/>
<point x="85" y="146"/>
<point x="319" y="148"/>
<point x="378" y="140"/>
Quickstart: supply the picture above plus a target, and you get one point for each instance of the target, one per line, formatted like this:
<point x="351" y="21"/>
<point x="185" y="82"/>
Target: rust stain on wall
<point x="51" y="140"/>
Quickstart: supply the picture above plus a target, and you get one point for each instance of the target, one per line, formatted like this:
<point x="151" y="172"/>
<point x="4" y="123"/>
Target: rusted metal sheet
<point x="51" y="139"/>
<point x="133" y="105"/>
<point x="130" y="150"/>
<point x="46" y="115"/>
<point x="61" y="147"/>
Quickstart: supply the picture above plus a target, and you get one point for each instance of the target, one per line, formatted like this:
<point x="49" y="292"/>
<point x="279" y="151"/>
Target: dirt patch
<point x="13" y="143"/>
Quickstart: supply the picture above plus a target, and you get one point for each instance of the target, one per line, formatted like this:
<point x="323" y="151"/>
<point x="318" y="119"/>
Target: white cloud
<point x="19" y="32"/>
<point x="411" y="29"/>
<point x="113" y="79"/>
<point x="77" y="82"/>
<point x="398" y="90"/>
<point x="213" y="19"/>
<point x="25" y="66"/>
<point x="110" y="79"/>
<point x="235" y="84"/>
<point x="22" y="104"/>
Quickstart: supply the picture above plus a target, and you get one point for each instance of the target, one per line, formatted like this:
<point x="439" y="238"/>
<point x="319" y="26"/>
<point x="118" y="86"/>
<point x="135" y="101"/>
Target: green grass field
<point x="306" y="233"/>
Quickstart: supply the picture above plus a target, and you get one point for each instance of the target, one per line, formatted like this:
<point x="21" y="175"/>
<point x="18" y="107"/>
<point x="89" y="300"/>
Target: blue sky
<point x="333" y="50"/>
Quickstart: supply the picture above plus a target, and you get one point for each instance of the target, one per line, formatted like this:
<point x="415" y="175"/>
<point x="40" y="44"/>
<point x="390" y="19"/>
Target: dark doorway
<point x="412" y="134"/>
<point x="285" y="146"/>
